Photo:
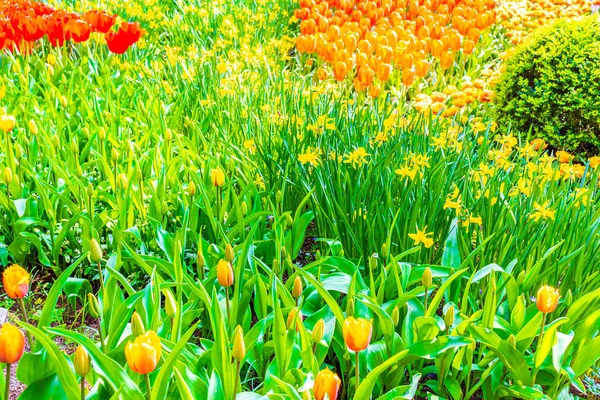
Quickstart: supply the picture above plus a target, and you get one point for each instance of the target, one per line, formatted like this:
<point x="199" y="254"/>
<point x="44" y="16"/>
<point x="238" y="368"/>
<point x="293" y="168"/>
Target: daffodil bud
<point x="170" y="303"/>
<point x="192" y="189"/>
<point x="396" y="315"/>
<point x="8" y="176"/>
<point x="297" y="289"/>
<point x="449" y="317"/>
<point x="81" y="361"/>
<point x="95" y="251"/>
<point x="229" y="255"/>
<point x="93" y="306"/>
<point x="137" y="325"/>
<point x="318" y="331"/>
<point x="427" y="278"/>
<point x="239" y="347"/>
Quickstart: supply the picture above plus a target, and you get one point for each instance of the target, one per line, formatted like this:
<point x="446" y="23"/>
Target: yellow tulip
<point x="16" y="281"/>
<point x="143" y="353"/>
<point x="547" y="299"/>
<point x="357" y="333"/>
<point x="12" y="344"/>
<point x="326" y="383"/>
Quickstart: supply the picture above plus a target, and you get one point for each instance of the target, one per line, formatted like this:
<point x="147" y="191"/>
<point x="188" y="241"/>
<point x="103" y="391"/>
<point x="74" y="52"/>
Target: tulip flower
<point x="357" y="335"/>
<point x="239" y="352"/>
<point x="225" y="278"/>
<point x="217" y="177"/>
<point x="16" y="281"/>
<point x="82" y="364"/>
<point x="12" y="344"/>
<point x="547" y="299"/>
<point x="326" y="383"/>
<point x="143" y="355"/>
<point x="128" y="34"/>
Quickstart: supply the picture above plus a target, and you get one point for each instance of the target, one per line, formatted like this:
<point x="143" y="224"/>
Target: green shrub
<point x="551" y="86"/>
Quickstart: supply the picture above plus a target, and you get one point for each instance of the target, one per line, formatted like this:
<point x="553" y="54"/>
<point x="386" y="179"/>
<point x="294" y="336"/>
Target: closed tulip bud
<point x="165" y="208"/>
<point x="33" y="128"/>
<point x="114" y="155"/>
<point x="357" y="333"/>
<point x="170" y="303"/>
<point x="224" y="273"/>
<point x="12" y="343"/>
<point x="90" y="190"/>
<point x="168" y="135"/>
<point x="373" y="262"/>
<point x="239" y="347"/>
<point x="278" y="197"/>
<point x="283" y="252"/>
<point x="192" y="189"/>
<point x="318" y="255"/>
<point x="81" y="361"/>
<point x="93" y="306"/>
<point x="341" y="254"/>
<point x="7" y="122"/>
<point x="137" y="325"/>
<point x="217" y="177"/>
<point x="547" y="299"/>
<point x="326" y="383"/>
<point x="568" y="299"/>
<point x="449" y="317"/>
<point x="95" y="251"/>
<point x="297" y="289"/>
<point x="512" y="340"/>
<point x="244" y="208"/>
<point x="102" y="133"/>
<point x="318" y="331"/>
<point x="73" y="147"/>
<point x="19" y="150"/>
<point x="122" y="181"/>
<point x="427" y="279"/>
<point x="143" y="354"/>
<point x="275" y="266"/>
<point x="396" y="315"/>
<point x="55" y="141"/>
<point x="385" y="251"/>
<point x="200" y="257"/>
<point x="8" y="175"/>
<point x="350" y="308"/>
<point x="294" y="319"/>
<point x="229" y="255"/>
<point x="16" y="281"/>
<point x="289" y="220"/>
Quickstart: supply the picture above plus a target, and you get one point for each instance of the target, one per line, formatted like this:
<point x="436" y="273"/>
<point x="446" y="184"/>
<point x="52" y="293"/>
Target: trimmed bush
<point x="551" y="87"/>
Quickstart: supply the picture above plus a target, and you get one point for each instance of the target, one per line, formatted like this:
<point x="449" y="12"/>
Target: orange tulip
<point x="326" y="383"/>
<point x="538" y="144"/>
<point x="224" y="273"/>
<point x="143" y="353"/>
<point x="340" y="70"/>
<point x="357" y="333"/>
<point x="547" y="299"/>
<point x="16" y="281"/>
<point x="12" y="343"/>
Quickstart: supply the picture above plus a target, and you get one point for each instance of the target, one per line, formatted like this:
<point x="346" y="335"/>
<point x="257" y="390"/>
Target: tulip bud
<point x="73" y="147"/>
<point x="427" y="279"/>
<point x="95" y="251"/>
<point x="93" y="306"/>
<point x="385" y="252"/>
<point x="217" y="177"/>
<point x="192" y="189"/>
<point x="547" y="299"/>
<point x="82" y="362"/>
<point x="568" y="299"/>
<point x="19" y="149"/>
<point x="396" y="315"/>
<point x="275" y="266"/>
<point x="229" y="255"/>
<point x="137" y="325"/>
<point x="297" y="289"/>
<point x="244" y="208"/>
<point x="102" y="133"/>
<point x="350" y="308"/>
<point x="289" y="220"/>
<point x="170" y="303"/>
<point x="224" y="273"/>
<point x="449" y="317"/>
<point x="12" y="343"/>
<point x="165" y="208"/>
<point x="8" y="176"/>
<point x="239" y="347"/>
<point x="114" y="155"/>
<point x="200" y="257"/>
<point x="521" y="278"/>
<point x="283" y="252"/>
<point x="294" y="319"/>
<point x="90" y="190"/>
<point x="318" y="255"/>
<point x="372" y="262"/>
<point x="33" y="128"/>
<point x="55" y="141"/>
<point x="278" y="197"/>
<point x="168" y="135"/>
<point x="318" y="331"/>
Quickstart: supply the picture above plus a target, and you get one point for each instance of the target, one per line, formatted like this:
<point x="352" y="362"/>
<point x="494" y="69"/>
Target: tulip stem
<point x="25" y="319"/>
<point x="149" y="393"/>
<point x="82" y="388"/>
<point x="542" y="326"/>
<point x="101" y="280"/>
<point x="357" y="372"/>
<point x="425" y="300"/>
<point x="237" y="379"/>
<point x="100" y="334"/>
<point x="227" y="302"/>
<point x="7" y="382"/>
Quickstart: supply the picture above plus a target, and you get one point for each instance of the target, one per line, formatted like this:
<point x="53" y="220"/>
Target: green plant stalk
<point x="82" y="388"/>
<point x="543" y="324"/>
<point x="227" y="303"/>
<point x="148" y="388"/>
<point x="26" y="320"/>
<point x="237" y="379"/>
<point x="101" y="280"/>
<point x="357" y="373"/>
<point x="425" y="300"/>
<point x="7" y="382"/>
<point x="100" y="334"/>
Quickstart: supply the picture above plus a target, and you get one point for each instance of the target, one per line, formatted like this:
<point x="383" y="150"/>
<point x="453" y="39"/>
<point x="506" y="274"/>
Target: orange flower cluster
<point x="376" y="37"/>
<point x="451" y="100"/>
<point x="23" y="22"/>
<point x="521" y="17"/>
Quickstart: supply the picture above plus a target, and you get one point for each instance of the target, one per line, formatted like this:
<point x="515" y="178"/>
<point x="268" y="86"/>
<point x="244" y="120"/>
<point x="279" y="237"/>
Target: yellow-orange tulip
<point x="547" y="299"/>
<point x="326" y="382"/>
<point x="357" y="333"/>
<point x="217" y="177"/>
<point x="143" y="353"/>
<point x="82" y="362"/>
<point x="224" y="273"/>
<point x="12" y="343"/>
<point x="16" y="281"/>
